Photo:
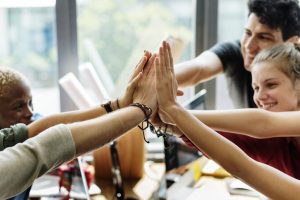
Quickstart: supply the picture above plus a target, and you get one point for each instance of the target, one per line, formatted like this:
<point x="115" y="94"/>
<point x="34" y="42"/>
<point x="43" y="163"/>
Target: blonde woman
<point x="266" y="179"/>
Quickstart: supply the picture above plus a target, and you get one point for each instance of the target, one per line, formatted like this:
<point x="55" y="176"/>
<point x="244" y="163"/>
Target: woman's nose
<point x="261" y="95"/>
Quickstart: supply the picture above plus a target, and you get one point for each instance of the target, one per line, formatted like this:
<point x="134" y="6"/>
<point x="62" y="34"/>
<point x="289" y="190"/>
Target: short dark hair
<point x="278" y="14"/>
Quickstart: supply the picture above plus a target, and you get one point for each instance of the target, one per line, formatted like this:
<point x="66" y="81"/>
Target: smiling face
<point x="16" y="107"/>
<point x="273" y="89"/>
<point x="256" y="37"/>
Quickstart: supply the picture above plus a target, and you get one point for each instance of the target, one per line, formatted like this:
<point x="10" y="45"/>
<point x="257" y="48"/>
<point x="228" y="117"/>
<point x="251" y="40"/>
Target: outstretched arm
<point x="61" y="143"/>
<point x="28" y="160"/>
<point x="265" y="179"/>
<point x="202" y="68"/>
<point x="254" y="122"/>
<point x="81" y="115"/>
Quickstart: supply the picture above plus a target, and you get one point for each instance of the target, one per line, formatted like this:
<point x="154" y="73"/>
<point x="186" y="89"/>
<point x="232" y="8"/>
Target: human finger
<point x="166" y="55"/>
<point x="162" y="66"/>
<point x="141" y="64"/>
<point x="170" y="56"/>
<point x="149" y="64"/>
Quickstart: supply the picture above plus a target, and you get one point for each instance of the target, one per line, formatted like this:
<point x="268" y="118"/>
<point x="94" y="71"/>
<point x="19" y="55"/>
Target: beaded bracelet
<point x="160" y="132"/>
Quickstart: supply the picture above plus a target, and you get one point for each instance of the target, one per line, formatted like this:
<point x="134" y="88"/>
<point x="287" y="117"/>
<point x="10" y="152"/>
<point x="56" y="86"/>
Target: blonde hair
<point x="9" y="78"/>
<point x="287" y="53"/>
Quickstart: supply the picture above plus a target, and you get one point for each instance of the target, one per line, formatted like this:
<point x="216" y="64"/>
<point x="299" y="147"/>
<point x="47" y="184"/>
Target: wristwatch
<point x="107" y="107"/>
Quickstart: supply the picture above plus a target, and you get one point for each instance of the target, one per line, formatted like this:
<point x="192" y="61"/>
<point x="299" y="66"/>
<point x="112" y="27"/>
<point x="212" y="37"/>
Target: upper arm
<point x="282" y="124"/>
<point x="264" y="124"/>
<point x="13" y="135"/>
<point x="204" y="67"/>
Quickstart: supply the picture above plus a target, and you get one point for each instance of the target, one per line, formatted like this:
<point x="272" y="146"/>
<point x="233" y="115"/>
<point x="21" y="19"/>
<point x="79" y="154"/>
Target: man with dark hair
<point x="269" y="22"/>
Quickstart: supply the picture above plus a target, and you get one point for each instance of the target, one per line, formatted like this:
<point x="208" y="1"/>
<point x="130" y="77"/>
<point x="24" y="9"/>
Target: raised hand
<point x="145" y="91"/>
<point x="127" y="98"/>
<point x="166" y="84"/>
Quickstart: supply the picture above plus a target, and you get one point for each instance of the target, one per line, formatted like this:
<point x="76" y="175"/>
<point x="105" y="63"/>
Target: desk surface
<point x="210" y="188"/>
<point x="142" y="189"/>
<point x="207" y="187"/>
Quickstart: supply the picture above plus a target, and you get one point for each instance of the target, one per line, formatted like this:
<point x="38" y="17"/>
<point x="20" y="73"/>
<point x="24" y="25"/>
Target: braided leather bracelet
<point x="147" y="112"/>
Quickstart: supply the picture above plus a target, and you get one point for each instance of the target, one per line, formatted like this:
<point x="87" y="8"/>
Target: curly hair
<point x="8" y="78"/>
<point x="278" y="14"/>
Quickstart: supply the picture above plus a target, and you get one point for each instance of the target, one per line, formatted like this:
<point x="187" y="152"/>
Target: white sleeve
<point x="22" y="164"/>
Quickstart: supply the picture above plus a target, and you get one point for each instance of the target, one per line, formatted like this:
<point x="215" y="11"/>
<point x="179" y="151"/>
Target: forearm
<point x="268" y="180"/>
<point x="233" y="159"/>
<point x="252" y="122"/>
<point x="202" y="68"/>
<point x="94" y="133"/>
<point x="206" y="139"/>
<point x="64" y="118"/>
<point x="187" y="74"/>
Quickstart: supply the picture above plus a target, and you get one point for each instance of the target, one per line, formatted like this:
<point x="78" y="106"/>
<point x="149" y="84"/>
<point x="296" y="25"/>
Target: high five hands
<point x="166" y="89"/>
<point x="153" y="83"/>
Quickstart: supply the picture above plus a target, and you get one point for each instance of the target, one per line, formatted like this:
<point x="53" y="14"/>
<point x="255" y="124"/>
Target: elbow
<point x="268" y="129"/>
<point x="263" y="125"/>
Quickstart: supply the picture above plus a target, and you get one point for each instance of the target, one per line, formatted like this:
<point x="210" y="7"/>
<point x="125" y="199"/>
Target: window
<point x="112" y="34"/>
<point x="28" y="44"/>
<point x="232" y="13"/>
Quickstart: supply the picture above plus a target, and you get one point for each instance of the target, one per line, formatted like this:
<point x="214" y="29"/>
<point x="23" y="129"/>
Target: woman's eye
<point x="271" y="85"/>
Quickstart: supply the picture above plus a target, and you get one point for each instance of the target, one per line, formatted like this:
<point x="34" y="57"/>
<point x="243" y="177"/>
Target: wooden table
<point x="142" y="189"/>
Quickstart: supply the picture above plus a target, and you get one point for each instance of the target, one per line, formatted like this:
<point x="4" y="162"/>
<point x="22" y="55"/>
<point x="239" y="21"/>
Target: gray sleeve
<point x="13" y="135"/>
<point x="23" y="163"/>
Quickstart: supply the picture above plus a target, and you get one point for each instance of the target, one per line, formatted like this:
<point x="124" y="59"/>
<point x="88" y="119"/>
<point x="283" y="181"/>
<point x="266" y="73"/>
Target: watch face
<point x="107" y="107"/>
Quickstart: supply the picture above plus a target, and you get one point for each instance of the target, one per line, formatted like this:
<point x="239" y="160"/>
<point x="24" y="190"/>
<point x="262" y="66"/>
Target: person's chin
<point x="248" y="61"/>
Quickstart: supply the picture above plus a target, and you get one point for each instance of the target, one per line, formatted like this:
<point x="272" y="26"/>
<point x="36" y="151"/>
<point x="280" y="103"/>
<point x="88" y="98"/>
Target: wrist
<point x="107" y="106"/>
<point x="169" y="109"/>
<point x="146" y="110"/>
<point x="115" y="105"/>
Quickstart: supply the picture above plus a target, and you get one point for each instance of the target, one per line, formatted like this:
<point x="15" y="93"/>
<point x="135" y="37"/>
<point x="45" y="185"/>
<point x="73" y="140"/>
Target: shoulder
<point x="229" y="47"/>
<point x="230" y="55"/>
<point x="13" y="135"/>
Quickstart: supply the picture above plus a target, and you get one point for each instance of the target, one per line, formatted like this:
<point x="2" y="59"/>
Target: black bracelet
<point x="107" y="107"/>
<point x="118" y="105"/>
